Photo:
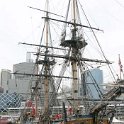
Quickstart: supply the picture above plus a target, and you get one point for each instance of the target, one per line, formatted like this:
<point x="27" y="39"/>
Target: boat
<point x="42" y="105"/>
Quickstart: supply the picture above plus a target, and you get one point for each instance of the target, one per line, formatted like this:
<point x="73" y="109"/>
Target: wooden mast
<point x="75" y="43"/>
<point x="46" y="84"/>
<point x="74" y="62"/>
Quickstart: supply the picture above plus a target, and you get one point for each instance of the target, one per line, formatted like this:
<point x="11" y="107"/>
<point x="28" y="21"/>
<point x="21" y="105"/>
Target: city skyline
<point x="21" y="24"/>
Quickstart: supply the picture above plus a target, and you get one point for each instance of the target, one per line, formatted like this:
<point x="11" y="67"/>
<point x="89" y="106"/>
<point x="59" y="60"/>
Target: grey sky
<point x="18" y="23"/>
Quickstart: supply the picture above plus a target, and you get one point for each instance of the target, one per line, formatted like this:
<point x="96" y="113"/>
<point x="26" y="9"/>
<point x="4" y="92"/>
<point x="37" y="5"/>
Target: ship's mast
<point x="75" y="43"/>
<point x="45" y="71"/>
<point x="74" y="62"/>
<point x="46" y="68"/>
<point x="46" y="84"/>
<point x="47" y="64"/>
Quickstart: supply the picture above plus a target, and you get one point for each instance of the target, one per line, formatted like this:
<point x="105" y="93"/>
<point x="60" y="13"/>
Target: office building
<point x="5" y="77"/>
<point x="92" y="83"/>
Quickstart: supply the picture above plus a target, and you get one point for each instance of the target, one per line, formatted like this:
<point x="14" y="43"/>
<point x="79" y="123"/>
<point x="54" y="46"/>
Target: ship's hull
<point x="85" y="119"/>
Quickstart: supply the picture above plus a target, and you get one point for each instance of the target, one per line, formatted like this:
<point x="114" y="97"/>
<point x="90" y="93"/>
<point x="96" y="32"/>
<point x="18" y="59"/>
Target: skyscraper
<point x="91" y="83"/>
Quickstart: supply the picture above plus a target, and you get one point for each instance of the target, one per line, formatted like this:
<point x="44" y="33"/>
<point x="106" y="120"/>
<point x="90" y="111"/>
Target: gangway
<point x="111" y="95"/>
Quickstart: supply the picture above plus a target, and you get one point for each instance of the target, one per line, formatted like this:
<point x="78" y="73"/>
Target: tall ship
<point x="48" y="102"/>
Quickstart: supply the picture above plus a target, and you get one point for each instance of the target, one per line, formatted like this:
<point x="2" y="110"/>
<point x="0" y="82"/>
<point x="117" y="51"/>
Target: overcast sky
<point x="18" y="23"/>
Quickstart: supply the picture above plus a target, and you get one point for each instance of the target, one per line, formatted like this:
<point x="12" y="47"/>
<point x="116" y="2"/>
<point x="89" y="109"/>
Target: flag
<point x="120" y="65"/>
